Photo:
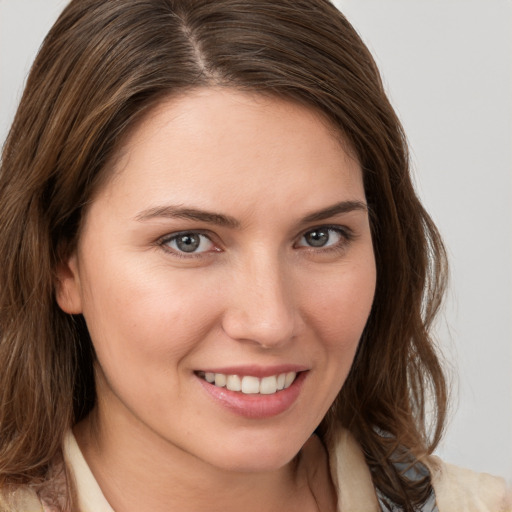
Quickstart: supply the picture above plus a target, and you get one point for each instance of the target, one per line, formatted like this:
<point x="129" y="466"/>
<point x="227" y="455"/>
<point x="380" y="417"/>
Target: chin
<point x="258" y="453"/>
<point x="257" y="463"/>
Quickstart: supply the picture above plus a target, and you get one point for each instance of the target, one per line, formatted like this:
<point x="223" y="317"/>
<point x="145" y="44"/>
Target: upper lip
<point x="256" y="370"/>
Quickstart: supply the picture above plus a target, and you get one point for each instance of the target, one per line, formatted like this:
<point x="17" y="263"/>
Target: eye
<point x="189" y="243"/>
<point x="321" y="237"/>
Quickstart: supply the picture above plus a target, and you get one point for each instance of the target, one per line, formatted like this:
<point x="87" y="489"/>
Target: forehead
<point x="228" y="105"/>
<point x="223" y="144"/>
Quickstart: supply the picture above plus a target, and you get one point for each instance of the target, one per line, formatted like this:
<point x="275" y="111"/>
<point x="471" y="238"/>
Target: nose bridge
<point x="262" y="307"/>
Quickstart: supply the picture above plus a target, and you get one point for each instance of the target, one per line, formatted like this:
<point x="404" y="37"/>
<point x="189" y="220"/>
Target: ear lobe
<point x="67" y="286"/>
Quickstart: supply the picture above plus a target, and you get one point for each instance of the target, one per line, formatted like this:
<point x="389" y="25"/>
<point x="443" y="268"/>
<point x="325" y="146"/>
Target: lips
<point x="252" y="392"/>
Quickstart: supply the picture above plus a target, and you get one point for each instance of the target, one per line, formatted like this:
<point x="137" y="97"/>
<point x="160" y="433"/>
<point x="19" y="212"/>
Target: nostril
<point x="258" y="328"/>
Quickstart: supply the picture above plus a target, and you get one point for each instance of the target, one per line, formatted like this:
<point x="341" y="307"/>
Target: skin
<point x="256" y="293"/>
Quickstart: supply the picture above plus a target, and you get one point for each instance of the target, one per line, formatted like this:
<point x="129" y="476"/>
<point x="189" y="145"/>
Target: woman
<point x="218" y="281"/>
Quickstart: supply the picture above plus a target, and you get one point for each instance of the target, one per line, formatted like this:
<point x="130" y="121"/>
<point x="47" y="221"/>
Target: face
<point x="226" y="273"/>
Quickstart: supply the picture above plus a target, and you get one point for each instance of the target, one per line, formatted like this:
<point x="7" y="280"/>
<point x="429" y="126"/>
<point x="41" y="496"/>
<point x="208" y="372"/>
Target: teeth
<point x="280" y="381"/>
<point x="290" y="377"/>
<point x="268" y="385"/>
<point x="220" y="380"/>
<point x="251" y="385"/>
<point x="234" y="383"/>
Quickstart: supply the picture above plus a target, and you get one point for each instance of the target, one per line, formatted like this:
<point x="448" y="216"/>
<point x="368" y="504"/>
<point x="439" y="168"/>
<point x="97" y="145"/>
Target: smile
<point x="250" y="385"/>
<point x="254" y="392"/>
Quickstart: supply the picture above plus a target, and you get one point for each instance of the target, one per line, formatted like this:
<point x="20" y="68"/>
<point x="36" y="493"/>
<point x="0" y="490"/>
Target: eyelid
<point x="163" y="242"/>
<point x="346" y="233"/>
<point x="345" y="230"/>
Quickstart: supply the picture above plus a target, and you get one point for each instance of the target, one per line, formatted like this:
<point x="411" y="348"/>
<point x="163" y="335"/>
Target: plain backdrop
<point x="447" y="66"/>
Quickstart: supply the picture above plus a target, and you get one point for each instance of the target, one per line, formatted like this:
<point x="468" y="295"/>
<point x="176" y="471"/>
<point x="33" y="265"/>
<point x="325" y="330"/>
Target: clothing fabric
<point x="456" y="489"/>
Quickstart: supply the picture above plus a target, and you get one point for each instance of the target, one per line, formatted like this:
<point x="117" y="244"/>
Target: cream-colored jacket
<point x="456" y="489"/>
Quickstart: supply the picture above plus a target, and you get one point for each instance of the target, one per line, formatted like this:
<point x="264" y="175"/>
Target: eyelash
<point x="167" y="239"/>
<point x="346" y="236"/>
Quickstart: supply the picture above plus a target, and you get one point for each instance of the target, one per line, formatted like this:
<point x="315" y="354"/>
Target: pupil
<point x="188" y="243"/>
<point x="317" y="238"/>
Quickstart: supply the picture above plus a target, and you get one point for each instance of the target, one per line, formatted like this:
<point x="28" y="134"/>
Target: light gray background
<point x="447" y="65"/>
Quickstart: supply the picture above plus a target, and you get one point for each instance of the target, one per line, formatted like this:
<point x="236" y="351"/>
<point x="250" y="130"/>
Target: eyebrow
<point x="335" y="209"/>
<point x="219" y="219"/>
<point x="179" y="212"/>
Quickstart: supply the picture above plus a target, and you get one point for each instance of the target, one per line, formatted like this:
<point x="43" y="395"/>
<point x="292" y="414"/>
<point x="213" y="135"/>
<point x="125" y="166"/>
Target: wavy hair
<point x="106" y="62"/>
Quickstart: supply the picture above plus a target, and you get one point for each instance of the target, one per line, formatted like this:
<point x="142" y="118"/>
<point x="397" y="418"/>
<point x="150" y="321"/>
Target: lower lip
<point x="256" y="406"/>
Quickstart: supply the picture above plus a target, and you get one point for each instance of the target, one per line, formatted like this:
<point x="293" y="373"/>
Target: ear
<point x="67" y="287"/>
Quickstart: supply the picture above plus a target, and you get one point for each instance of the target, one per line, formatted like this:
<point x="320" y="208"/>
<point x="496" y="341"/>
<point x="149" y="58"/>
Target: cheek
<point x="338" y="310"/>
<point x="341" y="303"/>
<point x="146" y="315"/>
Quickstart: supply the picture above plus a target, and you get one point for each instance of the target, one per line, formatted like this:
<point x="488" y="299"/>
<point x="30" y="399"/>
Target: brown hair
<point x="102" y="65"/>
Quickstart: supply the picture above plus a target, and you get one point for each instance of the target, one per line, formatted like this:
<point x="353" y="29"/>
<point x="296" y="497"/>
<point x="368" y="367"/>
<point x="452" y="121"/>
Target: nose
<point x="261" y="306"/>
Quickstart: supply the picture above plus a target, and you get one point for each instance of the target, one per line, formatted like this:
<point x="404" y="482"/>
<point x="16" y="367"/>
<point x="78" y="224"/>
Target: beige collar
<point x="351" y="475"/>
<point x="90" y="497"/>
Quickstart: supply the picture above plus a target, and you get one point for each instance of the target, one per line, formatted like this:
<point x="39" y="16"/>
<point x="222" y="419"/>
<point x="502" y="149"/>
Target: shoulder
<point x="456" y="489"/>
<point x="462" y="489"/>
<point x="22" y="499"/>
